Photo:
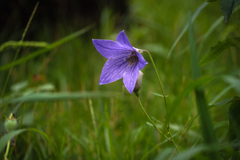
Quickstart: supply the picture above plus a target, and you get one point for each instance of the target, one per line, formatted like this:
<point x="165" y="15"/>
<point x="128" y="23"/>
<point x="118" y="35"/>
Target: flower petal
<point x="123" y="39"/>
<point x="111" y="49"/>
<point x="141" y="61"/>
<point x="130" y="77"/>
<point x="113" y="70"/>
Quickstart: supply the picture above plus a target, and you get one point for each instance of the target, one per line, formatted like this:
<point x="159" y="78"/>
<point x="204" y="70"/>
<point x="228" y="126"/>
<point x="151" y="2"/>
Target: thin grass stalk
<point x="15" y="57"/>
<point x="155" y="125"/>
<point x="95" y="127"/>
<point x="164" y="96"/>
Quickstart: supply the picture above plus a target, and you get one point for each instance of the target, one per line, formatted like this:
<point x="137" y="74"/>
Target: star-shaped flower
<point x="124" y="61"/>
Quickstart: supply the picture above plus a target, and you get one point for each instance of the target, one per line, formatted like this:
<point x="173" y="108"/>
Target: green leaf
<point x="4" y="139"/>
<point x="188" y="154"/>
<point x="226" y="101"/>
<point x="7" y="137"/>
<point x="18" y="86"/>
<point x="150" y="124"/>
<point x="234" y="121"/>
<point x="220" y="94"/>
<point x="235" y="82"/>
<point x="159" y="95"/>
<point x="217" y="49"/>
<point x="227" y="8"/>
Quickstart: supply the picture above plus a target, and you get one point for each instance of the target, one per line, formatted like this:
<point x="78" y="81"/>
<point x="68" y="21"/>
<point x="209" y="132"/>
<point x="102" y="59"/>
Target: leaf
<point x="150" y="124"/>
<point x="227" y="8"/>
<point x="226" y="101"/>
<point x="220" y="94"/>
<point x="189" y="153"/>
<point x="4" y="139"/>
<point x="234" y="121"/>
<point x="217" y="49"/>
<point x="159" y="95"/>
<point x="18" y="86"/>
<point x="235" y="82"/>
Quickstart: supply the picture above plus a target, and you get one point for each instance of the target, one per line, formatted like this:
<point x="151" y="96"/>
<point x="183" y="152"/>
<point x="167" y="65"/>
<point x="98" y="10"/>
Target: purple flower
<point x="124" y="61"/>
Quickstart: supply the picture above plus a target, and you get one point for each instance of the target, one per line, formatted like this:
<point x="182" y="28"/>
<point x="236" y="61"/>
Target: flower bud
<point x="10" y="124"/>
<point x="138" y="83"/>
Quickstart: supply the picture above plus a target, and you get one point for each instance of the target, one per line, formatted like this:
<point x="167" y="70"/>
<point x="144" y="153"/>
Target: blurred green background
<point x="75" y="67"/>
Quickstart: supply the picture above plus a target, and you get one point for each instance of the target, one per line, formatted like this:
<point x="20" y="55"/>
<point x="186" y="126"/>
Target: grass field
<point x="63" y="112"/>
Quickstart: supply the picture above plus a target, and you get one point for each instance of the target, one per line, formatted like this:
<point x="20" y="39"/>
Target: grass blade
<point x="48" y="48"/>
<point x="62" y="96"/>
<point x="186" y="27"/>
<point x="7" y="137"/>
<point x="205" y="119"/>
<point x="16" y="44"/>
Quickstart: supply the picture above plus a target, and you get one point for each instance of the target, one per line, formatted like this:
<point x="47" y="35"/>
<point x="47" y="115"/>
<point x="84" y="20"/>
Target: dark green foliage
<point x="217" y="49"/>
<point x="234" y="129"/>
<point x="234" y="119"/>
<point x="113" y="126"/>
<point x="227" y="8"/>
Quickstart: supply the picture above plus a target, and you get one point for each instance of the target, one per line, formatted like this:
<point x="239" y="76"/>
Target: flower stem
<point x="7" y="150"/>
<point x="151" y="119"/>
<point x="164" y="96"/>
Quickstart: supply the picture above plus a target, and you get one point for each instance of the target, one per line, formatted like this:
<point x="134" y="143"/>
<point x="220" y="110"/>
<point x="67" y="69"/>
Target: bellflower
<point x="124" y="61"/>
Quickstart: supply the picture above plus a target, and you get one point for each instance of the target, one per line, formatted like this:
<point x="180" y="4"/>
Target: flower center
<point x="132" y="58"/>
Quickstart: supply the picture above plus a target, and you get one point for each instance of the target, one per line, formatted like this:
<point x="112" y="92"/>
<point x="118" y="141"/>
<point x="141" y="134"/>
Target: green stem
<point x="15" y="57"/>
<point x="164" y="96"/>
<point x="151" y="119"/>
<point x="95" y="128"/>
<point x="7" y="150"/>
<point x="171" y="141"/>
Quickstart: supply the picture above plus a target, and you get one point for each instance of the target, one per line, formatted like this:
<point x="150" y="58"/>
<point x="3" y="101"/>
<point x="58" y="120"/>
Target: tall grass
<point x="69" y="116"/>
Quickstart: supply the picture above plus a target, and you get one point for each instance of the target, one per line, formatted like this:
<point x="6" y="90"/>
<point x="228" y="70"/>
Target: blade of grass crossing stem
<point x="48" y="48"/>
<point x="4" y="139"/>
<point x="185" y="28"/>
<point x="205" y="119"/>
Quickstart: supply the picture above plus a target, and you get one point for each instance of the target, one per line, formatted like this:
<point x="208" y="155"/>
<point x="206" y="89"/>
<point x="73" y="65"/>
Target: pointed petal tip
<point x="123" y="39"/>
